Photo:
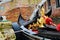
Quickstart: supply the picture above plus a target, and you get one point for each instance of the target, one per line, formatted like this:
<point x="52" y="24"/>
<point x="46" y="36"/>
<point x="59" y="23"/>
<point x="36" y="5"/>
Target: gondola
<point x="46" y="32"/>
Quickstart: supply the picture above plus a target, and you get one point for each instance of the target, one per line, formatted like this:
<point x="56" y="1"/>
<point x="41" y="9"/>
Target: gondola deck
<point x="44" y="33"/>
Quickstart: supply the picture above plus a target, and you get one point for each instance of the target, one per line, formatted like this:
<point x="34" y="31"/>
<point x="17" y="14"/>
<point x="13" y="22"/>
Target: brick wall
<point x="17" y="3"/>
<point x="12" y="8"/>
<point x="24" y="4"/>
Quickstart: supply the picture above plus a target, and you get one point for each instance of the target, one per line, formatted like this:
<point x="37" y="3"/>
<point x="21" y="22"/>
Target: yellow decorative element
<point x="42" y="12"/>
<point x="30" y="26"/>
<point x="40" y="21"/>
<point x="34" y="26"/>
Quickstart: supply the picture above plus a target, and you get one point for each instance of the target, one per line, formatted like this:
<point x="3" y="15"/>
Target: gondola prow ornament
<point x="39" y="22"/>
